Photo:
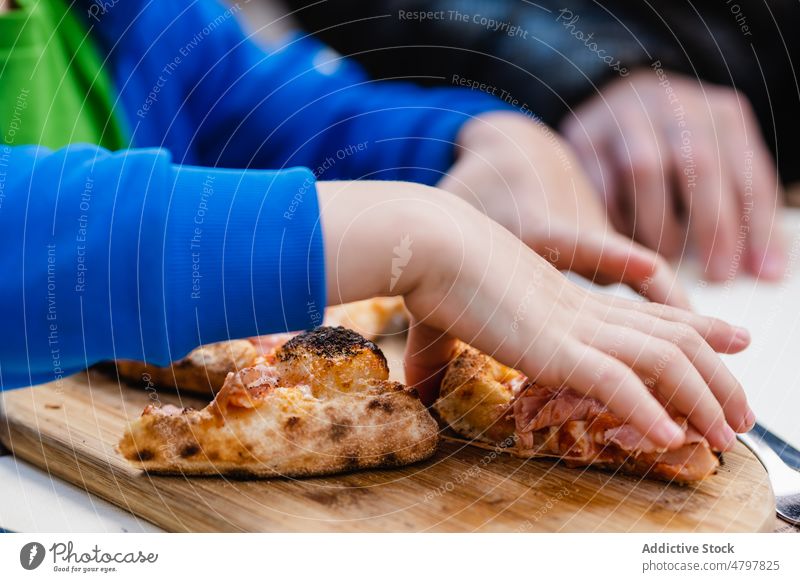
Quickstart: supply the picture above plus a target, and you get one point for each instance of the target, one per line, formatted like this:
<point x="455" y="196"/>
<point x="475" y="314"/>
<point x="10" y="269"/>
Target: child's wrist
<point x="381" y="238"/>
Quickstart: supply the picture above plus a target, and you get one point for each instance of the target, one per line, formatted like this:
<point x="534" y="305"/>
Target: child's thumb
<point x="428" y="352"/>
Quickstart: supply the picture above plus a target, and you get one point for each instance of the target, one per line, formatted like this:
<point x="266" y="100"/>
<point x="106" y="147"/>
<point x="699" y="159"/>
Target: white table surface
<point x="33" y="501"/>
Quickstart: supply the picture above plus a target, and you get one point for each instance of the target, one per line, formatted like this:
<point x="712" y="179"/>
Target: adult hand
<point x="525" y="177"/>
<point x="678" y="160"/>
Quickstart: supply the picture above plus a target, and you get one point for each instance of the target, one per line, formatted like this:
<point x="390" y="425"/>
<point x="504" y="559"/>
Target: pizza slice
<point x="204" y="369"/>
<point x="494" y="405"/>
<point x="319" y="404"/>
<point x="371" y="318"/>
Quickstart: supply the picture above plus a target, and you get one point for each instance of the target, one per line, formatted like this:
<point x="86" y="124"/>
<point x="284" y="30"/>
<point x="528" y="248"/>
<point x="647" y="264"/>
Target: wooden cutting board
<point x="71" y="430"/>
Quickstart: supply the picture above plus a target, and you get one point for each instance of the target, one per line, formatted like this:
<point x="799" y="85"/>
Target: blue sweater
<point x="208" y="228"/>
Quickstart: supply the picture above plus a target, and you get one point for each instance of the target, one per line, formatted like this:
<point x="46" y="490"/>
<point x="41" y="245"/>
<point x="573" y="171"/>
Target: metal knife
<point x="784" y="450"/>
<point x="785" y="480"/>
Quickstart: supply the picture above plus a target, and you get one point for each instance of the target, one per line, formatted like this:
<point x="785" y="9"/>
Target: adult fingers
<point x="755" y="176"/>
<point x="664" y="287"/>
<point x="659" y="285"/>
<point x="588" y="134"/>
<point x="616" y="259"/>
<point x="766" y="253"/>
<point x="709" y="197"/>
<point x="644" y="162"/>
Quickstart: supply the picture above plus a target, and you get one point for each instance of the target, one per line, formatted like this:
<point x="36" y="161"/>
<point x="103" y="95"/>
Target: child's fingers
<point x="666" y="367"/>
<point x="428" y="352"/>
<point x="649" y="274"/>
<point x="616" y="259"/>
<point x="662" y="285"/>
<point x="721" y="336"/>
<point x="591" y="372"/>
<point x="612" y="259"/>
<point x="723" y="384"/>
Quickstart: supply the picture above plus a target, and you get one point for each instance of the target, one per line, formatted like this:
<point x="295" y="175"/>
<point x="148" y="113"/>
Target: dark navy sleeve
<point x="128" y="256"/>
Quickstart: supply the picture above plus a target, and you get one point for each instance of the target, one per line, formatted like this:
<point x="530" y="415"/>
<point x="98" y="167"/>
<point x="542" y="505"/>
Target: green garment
<point x="53" y="88"/>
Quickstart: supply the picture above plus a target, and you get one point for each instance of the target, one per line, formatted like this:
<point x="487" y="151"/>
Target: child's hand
<point x="464" y="276"/>
<point x="525" y="177"/>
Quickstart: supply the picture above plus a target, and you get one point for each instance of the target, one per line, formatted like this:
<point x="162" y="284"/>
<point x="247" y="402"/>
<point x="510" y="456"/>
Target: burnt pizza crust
<point x="203" y="370"/>
<point x="328" y="410"/>
<point x="476" y="401"/>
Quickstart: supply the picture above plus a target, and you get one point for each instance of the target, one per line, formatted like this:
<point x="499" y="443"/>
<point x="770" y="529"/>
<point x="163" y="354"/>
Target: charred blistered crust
<point x="204" y="370"/>
<point x="336" y="360"/>
<point x="335" y="411"/>
<point x="329" y="343"/>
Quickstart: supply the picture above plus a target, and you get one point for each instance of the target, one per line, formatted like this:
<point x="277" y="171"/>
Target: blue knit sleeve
<point x="128" y="256"/>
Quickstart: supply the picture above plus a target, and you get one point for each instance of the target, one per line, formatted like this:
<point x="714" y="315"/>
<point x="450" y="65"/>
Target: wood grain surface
<point x="71" y="429"/>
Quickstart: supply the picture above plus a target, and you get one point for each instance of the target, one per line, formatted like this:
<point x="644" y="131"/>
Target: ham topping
<point x="629" y="438"/>
<point x="541" y="407"/>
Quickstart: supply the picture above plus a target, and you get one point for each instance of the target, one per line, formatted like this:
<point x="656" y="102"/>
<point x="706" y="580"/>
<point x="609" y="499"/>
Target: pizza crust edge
<point x="336" y="411"/>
